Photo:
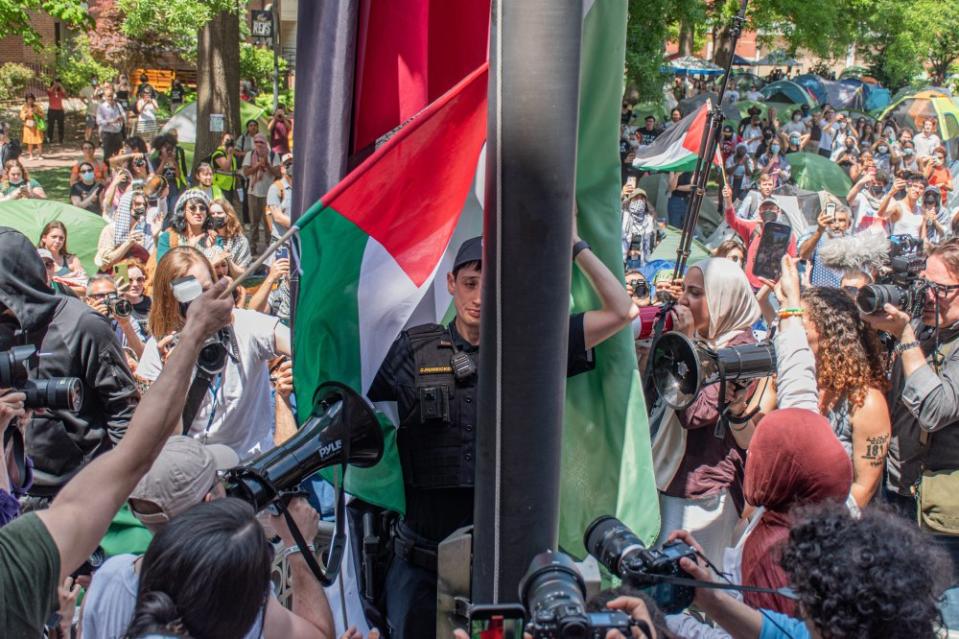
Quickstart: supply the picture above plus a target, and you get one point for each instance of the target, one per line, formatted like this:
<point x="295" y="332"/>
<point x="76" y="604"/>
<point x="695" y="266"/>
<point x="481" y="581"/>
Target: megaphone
<point x="682" y="368"/>
<point x="343" y="430"/>
<point x="644" y="326"/>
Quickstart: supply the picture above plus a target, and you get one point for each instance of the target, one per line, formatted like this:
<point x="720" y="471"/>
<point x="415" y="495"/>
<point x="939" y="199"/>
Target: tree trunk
<point x="218" y="81"/>
<point x="724" y="47"/>
<point x="686" y="37"/>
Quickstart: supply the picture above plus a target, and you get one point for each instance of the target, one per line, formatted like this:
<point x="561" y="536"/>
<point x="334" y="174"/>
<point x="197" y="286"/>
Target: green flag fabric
<point x="607" y="460"/>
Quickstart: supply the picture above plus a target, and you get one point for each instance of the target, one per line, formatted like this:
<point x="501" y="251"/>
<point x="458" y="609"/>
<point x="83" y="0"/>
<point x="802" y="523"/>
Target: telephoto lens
<point x="552" y="592"/>
<point x="612" y="543"/>
<point x="56" y="393"/>
<point x="873" y="298"/>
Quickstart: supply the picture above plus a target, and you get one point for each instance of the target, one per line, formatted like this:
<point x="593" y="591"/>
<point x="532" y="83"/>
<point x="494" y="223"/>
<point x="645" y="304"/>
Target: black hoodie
<point x="74" y="341"/>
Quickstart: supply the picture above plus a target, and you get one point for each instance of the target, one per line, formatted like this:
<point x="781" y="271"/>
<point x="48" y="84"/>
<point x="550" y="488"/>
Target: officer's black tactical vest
<point x="437" y="439"/>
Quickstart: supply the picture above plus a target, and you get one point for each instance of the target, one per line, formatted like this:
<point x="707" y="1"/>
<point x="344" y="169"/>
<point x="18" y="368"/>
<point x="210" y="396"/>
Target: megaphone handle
<point x="325" y="578"/>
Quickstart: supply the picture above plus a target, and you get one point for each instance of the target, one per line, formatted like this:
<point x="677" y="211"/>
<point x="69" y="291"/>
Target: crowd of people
<point x="857" y="410"/>
<point x="831" y="476"/>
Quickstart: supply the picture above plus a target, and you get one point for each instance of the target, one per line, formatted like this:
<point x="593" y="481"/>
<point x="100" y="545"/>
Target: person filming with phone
<point x="751" y="232"/>
<point x="834" y="222"/>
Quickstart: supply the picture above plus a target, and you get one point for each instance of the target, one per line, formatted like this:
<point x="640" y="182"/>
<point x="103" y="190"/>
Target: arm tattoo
<point x="876" y="449"/>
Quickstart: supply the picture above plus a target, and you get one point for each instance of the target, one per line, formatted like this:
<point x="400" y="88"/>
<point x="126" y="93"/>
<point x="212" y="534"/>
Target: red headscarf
<point x="794" y="458"/>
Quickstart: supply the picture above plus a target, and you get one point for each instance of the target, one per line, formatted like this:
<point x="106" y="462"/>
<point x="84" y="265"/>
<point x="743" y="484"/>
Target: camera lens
<point x="873" y="298"/>
<point x="56" y="393"/>
<point x="552" y="591"/>
<point x="122" y="308"/>
<point x="212" y="357"/>
<point x="610" y="541"/>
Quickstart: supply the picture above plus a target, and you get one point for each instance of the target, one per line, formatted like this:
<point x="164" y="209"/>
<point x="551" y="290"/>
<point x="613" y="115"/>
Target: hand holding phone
<point x="772" y="246"/>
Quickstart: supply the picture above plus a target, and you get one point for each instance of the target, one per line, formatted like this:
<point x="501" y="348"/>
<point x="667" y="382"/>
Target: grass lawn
<point x="55" y="181"/>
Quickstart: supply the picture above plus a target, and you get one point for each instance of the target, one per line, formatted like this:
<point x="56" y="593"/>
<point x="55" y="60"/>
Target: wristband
<point x="903" y="347"/>
<point x="579" y="247"/>
<point x="294" y="549"/>
<point x="790" y="312"/>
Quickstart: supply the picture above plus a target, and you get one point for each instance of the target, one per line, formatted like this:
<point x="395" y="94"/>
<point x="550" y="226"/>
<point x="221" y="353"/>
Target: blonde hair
<point x="165" y="315"/>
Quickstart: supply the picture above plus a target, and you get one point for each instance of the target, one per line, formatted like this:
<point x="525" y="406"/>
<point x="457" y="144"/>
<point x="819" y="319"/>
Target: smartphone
<point x="504" y="621"/>
<point x="631" y="181"/>
<point x="122" y="271"/>
<point x="282" y="253"/>
<point x="831" y="211"/>
<point x="772" y="247"/>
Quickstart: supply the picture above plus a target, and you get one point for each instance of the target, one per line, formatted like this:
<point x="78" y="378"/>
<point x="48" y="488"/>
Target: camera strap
<point x="200" y="386"/>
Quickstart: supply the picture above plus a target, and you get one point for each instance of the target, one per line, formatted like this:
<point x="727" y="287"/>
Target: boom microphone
<point x="867" y="252"/>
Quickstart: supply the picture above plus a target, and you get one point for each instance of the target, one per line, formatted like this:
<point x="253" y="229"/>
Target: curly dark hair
<point x="850" y="358"/>
<point x="876" y="576"/>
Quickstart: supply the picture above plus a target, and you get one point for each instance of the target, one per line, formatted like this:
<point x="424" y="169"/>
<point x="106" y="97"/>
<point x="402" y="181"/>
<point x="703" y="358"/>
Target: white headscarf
<point x="732" y="305"/>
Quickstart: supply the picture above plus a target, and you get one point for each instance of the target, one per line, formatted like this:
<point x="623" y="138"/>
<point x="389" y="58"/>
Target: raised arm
<point x="617" y="309"/>
<point x="79" y="516"/>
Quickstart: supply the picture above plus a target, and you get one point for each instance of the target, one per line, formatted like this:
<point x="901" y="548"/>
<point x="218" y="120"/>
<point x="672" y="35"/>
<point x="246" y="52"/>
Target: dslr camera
<point x="618" y="548"/>
<point x="900" y="285"/>
<point x="117" y="306"/>
<point x="56" y="393"/>
<point x="553" y="594"/>
<point x="217" y="347"/>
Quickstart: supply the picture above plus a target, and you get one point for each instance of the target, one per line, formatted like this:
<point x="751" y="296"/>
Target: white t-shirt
<point x="794" y="127"/>
<point x="752" y="132"/>
<point x="242" y="416"/>
<point x="755" y="96"/>
<point x="909" y="222"/>
<point x="925" y="144"/>
<point x="828" y="132"/>
<point x="865" y="212"/>
<point x="262" y="185"/>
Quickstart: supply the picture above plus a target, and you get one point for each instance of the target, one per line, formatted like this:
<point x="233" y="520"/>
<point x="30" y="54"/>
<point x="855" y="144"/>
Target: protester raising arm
<point x="889" y="208"/>
<point x="617" y="309"/>
<point x="78" y="517"/>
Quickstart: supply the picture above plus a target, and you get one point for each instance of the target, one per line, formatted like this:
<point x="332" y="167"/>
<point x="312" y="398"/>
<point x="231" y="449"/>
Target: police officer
<point x="430" y="372"/>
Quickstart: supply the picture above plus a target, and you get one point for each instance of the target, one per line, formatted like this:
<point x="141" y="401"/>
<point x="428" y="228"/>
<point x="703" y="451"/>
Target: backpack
<point x="10" y="151"/>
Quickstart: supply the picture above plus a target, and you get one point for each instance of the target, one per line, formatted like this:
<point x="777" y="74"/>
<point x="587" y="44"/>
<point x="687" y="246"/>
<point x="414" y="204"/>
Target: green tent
<point x="666" y="249"/>
<point x="812" y="172"/>
<point x="83" y="228"/>
<point x="738" y="110"/>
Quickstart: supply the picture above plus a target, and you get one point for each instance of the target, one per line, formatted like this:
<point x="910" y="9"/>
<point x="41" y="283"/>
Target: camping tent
<point x="184" y="120"/>
<point x="812" y="172"/>
<point x="778" y="58"/>
<point x="913" y="110"/>
<point x="789" y="92"/>
<point x="815" y="84"/>
<point x="691" y="65"/>
<point x="83" y="228"/>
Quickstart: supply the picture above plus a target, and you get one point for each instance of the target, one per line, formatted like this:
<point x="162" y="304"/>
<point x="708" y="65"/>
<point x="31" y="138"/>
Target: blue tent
<point x="812" y="82"/>
<point x="877" y="98"/>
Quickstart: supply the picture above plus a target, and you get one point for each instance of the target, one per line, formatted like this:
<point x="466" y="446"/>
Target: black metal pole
<point x="707" y="148"/>
<point x="530" y="190"/>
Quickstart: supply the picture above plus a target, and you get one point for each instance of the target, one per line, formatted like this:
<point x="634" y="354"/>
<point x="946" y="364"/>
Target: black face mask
<point x="137" y="212"/>
<point x="217" y="222"/>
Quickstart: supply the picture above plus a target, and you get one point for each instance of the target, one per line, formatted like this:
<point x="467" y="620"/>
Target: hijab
<point x="121" y="219"/>
<point x="793" y="459"/>
<point x="732" y="306"/>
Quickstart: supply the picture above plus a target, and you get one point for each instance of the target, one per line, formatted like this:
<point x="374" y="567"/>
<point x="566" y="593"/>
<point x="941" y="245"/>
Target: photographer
<point x="832" y="223"/>
<point x="183" y="476"/>
<point x="103" y="297"/>
<point x="38" y="551"/>
<point x="226" y="167"/>
<point x="76" y="342"/>
<point x="875" y="577"/>
<point x="924" y="402"/>
<point x="236" y="410"/>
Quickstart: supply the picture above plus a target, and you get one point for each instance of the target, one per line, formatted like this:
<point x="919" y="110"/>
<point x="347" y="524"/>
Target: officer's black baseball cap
<point x="470" y="251"/>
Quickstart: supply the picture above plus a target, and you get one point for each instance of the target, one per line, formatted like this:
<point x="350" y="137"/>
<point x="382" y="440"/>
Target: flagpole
<point x="707" y="151"/>
<point x="530" y="193"/>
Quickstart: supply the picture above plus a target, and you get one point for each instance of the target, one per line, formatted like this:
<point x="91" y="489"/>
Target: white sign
<point x="217" y="122"/>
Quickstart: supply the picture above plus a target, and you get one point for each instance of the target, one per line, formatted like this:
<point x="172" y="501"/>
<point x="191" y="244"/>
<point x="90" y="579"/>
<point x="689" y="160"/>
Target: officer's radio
<point x="463" y="366"/>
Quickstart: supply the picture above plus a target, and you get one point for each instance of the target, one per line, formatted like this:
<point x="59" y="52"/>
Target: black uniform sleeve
<point x="105" y="369"/>
<point x="579" y="359"/>
<point x="388" y="378"/>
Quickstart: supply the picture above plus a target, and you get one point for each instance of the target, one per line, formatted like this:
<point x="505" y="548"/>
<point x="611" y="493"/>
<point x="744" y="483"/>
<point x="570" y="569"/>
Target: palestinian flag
<point x="607" y="463"/>
<point x="677" y="148"/>
<point x="371" y="248"/>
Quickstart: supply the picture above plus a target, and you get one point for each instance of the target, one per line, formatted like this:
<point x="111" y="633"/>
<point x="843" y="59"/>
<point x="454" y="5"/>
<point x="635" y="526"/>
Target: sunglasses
<point x="194" y="208"/>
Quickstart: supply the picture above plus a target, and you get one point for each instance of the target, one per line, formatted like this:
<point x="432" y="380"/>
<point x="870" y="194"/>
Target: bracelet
<point x="294" y="549"/>
<point x="903" y="347"/>
<point x="790" y="312"/>
<point x="579" y="247"/>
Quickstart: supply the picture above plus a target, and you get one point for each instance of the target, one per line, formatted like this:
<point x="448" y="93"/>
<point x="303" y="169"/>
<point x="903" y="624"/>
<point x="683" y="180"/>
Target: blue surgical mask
<point x="87" y="176"/>
<point x="774" y="148"/>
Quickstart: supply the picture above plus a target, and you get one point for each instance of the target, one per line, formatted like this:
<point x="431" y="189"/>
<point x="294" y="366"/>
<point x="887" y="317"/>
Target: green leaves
<point x="15" y="17"/>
